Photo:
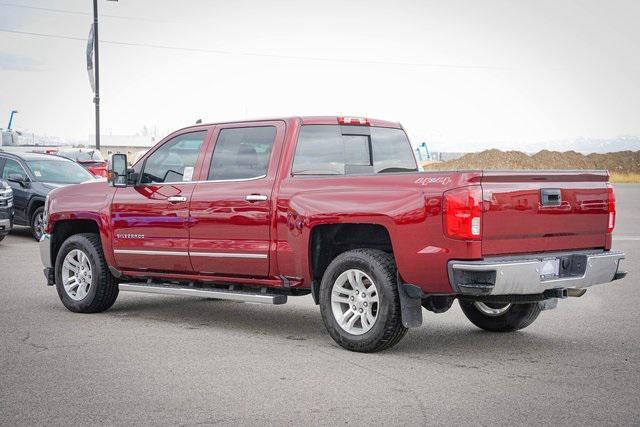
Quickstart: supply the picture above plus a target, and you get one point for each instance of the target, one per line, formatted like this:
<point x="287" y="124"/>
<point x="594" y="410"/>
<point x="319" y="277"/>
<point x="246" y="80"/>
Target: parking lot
<point x="177" y="360"/>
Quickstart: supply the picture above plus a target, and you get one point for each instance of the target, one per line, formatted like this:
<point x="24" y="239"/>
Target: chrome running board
<point x="215" y="293"/>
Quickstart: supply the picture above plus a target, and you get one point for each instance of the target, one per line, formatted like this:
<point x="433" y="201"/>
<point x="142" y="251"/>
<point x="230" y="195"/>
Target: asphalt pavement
<point x="176" y="360"/>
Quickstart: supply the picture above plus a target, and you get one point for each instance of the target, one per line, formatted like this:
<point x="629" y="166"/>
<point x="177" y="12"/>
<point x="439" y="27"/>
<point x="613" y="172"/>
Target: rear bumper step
<point x="527" y="274"/>
<point x="215" y="293"/>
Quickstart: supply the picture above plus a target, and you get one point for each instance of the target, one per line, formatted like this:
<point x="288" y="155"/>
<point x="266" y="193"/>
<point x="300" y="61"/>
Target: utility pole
<point x="96" y="98"/>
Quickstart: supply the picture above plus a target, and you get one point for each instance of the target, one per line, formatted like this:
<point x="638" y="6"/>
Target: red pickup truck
<point x="336" y="207"/>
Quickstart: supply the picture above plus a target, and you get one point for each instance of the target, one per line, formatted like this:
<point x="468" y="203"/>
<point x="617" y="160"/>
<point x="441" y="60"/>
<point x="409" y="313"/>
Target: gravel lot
<point x="174" y="360"/>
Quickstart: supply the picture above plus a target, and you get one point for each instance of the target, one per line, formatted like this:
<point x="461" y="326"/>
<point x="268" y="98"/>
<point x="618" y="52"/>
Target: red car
<point x="334" y="207"/>
<point x="89" y="159"/>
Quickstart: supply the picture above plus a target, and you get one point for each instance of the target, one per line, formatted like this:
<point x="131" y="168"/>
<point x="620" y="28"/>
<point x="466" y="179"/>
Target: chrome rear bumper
<point x="522" y="275"/>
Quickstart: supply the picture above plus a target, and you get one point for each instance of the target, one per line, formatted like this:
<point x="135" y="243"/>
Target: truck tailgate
<point x="541" y="211"/>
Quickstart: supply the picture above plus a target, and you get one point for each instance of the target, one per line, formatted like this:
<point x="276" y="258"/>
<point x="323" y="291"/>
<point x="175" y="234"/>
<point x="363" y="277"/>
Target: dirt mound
<point x="621" y="162"/>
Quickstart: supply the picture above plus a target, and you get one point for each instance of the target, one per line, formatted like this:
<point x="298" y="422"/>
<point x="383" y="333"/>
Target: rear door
<point x="528" y="212"/>
<point x="231" y="212"/>
<point x="151" y="220"/>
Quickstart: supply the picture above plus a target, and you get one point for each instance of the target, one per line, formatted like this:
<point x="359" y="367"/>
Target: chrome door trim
<point x="228" y="255"/>
<point x="141" y="252"/>
<point x="202" y="254"/>
<point x="202" y="181"/>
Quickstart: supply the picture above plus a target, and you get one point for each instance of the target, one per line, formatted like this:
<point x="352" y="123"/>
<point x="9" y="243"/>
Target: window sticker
<point x="37" y="173"/>
<point x="188" y="173"/>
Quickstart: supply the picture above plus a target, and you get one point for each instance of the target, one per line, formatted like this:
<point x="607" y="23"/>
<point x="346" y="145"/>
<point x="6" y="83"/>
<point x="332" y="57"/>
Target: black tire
<point x="387" y="330"/>
<point x="103" y="290"/>
<point x="36" y="228"/>
<point x="517" y="317"/>
<point x="2" y="236"/>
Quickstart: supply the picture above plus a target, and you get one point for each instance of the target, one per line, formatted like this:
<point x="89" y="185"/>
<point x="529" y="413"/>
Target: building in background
<point x="122" y="144"/>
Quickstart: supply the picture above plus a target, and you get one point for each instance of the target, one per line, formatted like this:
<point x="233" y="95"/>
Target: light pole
<point x="96" y="97"/>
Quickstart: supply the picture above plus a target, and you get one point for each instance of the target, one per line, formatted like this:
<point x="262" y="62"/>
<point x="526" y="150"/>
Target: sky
<point x="461" y="75"/>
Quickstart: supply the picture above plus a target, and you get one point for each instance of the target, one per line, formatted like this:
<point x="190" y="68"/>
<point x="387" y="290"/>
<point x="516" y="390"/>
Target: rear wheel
<point x="37" y="223"/>
<point x="500" y="317"/>
<point x="83" y="280"/>
<point x="359" y="301"/>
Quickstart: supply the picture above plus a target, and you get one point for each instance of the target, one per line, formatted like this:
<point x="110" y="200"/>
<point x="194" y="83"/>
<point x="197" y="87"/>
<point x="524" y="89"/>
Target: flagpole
<point x="96" y="98"/>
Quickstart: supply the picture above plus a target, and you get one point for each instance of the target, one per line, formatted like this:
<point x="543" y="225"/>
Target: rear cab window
<point x="348" y="150"/>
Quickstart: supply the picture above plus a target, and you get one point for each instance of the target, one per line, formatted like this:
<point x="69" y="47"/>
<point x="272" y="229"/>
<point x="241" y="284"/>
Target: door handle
<point x="255" y="198"/>
<point x="177" y="199"/>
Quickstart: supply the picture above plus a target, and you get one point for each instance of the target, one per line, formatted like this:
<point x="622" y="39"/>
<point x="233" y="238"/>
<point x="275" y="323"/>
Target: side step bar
<point x="214" y="293"/>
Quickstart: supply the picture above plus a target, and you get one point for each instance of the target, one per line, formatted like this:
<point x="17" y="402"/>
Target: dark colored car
<point x="6" y="209"/>
<point x="89" y="159"/>
<point x="32" y="176"/>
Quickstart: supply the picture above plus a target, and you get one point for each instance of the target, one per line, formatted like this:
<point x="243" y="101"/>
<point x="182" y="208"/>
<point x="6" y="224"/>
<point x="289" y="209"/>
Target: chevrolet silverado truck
<point x="335" y="207"/>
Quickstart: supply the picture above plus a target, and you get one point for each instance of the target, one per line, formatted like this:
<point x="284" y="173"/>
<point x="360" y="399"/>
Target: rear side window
<point x="242" y="153"/>
<point x="174" y="161"/>
<point x="340" y="150"/>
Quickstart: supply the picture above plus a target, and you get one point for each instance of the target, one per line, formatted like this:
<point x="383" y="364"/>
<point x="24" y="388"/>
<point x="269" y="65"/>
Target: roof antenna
<point x="198" y="121"/>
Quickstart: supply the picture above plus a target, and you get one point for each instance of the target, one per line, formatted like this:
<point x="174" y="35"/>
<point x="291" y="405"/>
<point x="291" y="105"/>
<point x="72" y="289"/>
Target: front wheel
<point x="500" y="317"/>
<point x="359" y="301"/>
<point x="83" y="280"/>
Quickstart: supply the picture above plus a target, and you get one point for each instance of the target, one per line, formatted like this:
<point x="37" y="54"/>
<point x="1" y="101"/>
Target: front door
<point x="20" y="194"/>
<point x="151" y="220"/>
<point x="231" y="211"/>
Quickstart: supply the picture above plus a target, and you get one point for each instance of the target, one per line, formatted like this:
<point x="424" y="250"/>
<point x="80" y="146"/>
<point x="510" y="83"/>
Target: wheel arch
<point x="34" y="203"/>
<point x="328" y="240"/>
<point x="65" y="228"/>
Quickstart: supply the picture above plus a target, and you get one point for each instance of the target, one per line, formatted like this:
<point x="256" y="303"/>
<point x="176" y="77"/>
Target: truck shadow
<point x="22" y="233"/>
<point x="303" y="323"/>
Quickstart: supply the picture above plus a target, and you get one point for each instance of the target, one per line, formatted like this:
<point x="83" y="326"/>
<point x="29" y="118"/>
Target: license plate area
<point x="562" y="267"/>
<point x="549" y="269"/>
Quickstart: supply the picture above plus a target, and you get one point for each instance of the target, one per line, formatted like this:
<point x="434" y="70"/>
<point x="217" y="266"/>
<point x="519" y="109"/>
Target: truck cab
<point x="335" y="207"/>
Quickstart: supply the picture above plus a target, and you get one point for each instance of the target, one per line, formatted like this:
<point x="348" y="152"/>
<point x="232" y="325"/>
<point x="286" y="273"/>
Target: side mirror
<point x="19" y="179"/>
<point x="117" y="175"/>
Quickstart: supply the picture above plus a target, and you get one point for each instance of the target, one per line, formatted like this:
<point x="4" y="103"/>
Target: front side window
<point x="242" y="153"/>
<point x="174" y="161"/>
<point x="59" y="171"/>
<point x="11" y="167"/>
<point x="340" y="150"/>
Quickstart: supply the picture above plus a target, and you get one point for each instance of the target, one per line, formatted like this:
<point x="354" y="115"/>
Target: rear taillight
<point x="99" y="171"/>
<point x="462" y="213"/>
<point x="611" y="208"/>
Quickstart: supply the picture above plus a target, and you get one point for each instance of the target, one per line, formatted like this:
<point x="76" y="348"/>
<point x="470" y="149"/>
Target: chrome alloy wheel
<point x="355" y="302"/>
<point x="492" y="309"/>
<point x="76" y="274"/>
<point x="38" y="225"/>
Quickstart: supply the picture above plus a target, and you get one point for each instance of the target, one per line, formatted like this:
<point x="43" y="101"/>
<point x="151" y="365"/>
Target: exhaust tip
<point x="576" y="292"/>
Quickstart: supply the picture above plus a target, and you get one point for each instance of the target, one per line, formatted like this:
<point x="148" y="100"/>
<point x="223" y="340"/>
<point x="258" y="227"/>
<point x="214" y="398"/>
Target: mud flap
<point x="410" y="304"/>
